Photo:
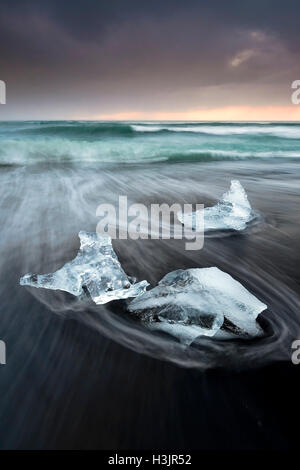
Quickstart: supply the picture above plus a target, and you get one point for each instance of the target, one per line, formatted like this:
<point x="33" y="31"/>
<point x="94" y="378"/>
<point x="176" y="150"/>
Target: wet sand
<point x="92" y="379"/>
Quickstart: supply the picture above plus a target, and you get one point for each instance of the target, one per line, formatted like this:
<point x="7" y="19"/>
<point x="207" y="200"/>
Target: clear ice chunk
<point x="199" y="301"/>
<point x="96" y="269"/>
<point x="232" y="212"/>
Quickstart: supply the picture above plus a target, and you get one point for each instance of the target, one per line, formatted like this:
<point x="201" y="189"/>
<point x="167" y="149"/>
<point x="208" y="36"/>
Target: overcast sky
<point x="165" y="59"/>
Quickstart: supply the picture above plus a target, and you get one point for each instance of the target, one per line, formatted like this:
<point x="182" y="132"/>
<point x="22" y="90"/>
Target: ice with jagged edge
<point x="232" y="212"/>
<point x="199" y="301"/>
<point x="95" y="269"/>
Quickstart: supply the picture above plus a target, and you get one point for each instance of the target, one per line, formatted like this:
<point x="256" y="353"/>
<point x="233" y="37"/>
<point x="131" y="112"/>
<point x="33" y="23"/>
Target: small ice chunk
<point x="96" y="269"/>
<point x="232" y="212"/>
<point x="199" y="301"/>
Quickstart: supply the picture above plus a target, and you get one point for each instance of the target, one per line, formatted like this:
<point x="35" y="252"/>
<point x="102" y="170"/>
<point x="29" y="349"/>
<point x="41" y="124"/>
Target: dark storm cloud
<point x="114" y="55"/>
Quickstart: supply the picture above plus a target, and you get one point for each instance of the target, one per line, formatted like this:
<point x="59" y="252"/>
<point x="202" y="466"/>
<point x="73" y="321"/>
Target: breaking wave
<point x="98" y="129"/>
<point x="282" y="131"/>
<point x="29" y="151"/>
<point x="124" y="142"/>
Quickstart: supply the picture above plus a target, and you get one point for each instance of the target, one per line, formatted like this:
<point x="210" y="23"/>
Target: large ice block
<point x="199" y="301"/>
<point x="232" y="212"/>
<point x="95" y="269"/>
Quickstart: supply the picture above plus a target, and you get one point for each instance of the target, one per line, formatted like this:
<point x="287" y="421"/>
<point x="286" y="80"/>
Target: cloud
<point x="242" y="57"/>
<point x="99" y="57"/>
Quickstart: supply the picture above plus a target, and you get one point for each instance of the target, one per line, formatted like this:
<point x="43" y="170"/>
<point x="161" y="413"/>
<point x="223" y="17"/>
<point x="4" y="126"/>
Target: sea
<point x="90" y="377"/>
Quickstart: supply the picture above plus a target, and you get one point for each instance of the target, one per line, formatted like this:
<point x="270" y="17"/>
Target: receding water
<point x="52" y="178"/>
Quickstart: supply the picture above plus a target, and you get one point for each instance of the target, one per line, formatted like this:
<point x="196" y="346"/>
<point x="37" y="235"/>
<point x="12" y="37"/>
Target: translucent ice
<point x="193" y="302"/>
<point x="232" y="212"/>
<point x="96" y="269"/>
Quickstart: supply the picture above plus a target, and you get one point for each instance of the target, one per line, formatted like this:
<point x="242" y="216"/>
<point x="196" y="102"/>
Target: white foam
<point x="277" y="131"/>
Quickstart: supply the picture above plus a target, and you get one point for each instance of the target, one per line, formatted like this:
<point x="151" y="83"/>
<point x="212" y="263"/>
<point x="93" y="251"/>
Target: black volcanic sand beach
<point x="93" y="378"/>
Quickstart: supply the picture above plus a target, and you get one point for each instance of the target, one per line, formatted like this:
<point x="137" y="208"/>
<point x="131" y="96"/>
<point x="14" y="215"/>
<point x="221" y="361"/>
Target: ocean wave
<point x="228" y="155"/>
<point x="284" y="132"/>
<point x="95" y="130"/>
<point x="69" y="129"/>
<point x="35" y="150"/>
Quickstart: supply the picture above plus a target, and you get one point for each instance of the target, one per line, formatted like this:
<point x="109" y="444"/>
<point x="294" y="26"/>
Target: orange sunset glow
<point x="230" y="113"/>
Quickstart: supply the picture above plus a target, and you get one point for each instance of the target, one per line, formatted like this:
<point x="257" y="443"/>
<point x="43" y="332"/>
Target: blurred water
<point x="81" y="377"/>
<point x="128" y="142"/>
